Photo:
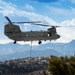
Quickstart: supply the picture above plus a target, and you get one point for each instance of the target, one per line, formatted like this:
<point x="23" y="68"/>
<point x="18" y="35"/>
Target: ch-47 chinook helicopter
<point x="12" y="31"/>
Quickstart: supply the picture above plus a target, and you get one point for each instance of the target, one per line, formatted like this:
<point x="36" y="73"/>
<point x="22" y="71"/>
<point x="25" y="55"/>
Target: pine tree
<point x="62" y="65"/>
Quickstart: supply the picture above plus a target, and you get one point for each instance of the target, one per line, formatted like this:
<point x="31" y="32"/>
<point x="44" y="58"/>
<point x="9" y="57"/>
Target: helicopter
<point x="13" y="31"/>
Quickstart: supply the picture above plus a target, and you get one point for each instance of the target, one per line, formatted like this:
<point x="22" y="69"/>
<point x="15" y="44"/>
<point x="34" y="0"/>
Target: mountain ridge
<point x="10" y="50"/>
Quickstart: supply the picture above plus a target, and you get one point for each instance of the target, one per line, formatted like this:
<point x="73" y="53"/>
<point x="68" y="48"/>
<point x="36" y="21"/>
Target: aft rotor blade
<point x="63" y="26"/>
<point x="41" y="24"/>
<point x="51" y="25"/>
<point x="67" y="26"/>
<point x="45" y="25"/>
<point x="8" y="19"/>
<point x="27" y="22"/>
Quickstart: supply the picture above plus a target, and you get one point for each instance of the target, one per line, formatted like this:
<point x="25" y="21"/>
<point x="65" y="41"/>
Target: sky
<point x="51" y="12"/>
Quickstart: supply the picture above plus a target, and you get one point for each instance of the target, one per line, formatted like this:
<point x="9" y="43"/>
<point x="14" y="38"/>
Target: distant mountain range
<point x="14" y="51"/>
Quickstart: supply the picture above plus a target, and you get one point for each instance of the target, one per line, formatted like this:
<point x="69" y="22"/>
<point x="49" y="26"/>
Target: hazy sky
<point x="52" y="12"/>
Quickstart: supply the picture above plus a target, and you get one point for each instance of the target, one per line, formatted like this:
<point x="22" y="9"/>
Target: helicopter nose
<point x="58" y="36"/>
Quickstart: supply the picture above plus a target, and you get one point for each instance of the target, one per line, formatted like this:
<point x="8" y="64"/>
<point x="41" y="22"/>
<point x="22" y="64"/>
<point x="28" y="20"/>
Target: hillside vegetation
<point x="39" y="66"/>
<point x="62" y="65"/>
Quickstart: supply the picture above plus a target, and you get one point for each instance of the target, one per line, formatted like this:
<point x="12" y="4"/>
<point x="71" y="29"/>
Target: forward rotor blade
<point x="8" y="19"/>
<point x="27" y="22"/>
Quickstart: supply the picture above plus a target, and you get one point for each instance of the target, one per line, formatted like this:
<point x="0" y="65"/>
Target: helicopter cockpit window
<point x="56" y="34"/>
<point x="48" y="35"/>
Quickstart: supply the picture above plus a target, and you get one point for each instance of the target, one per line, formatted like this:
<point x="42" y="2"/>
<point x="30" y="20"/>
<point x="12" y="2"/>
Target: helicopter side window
<point x="12" y="31"/>
<point x="41" y="34"/>
<point x="34" y="34"/>
<point x="26" y="34"/>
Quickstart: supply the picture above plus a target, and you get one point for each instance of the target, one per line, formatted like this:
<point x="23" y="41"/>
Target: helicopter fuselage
<point x="13" y="32"/>
<point x="31" y="36"/>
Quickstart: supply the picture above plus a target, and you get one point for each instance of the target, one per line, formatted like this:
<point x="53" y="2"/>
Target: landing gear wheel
<point x="39" y="42"/>
<point x="14" y="42"/>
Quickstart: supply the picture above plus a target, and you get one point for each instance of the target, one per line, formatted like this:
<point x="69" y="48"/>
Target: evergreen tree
<point x="62" y="65"/>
